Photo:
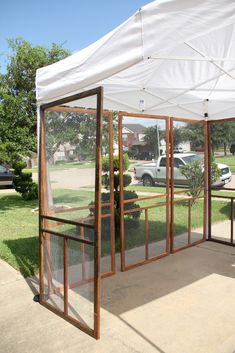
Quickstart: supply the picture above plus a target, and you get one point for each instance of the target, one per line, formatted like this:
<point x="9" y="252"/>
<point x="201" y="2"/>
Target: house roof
<point x="135" y="128"/>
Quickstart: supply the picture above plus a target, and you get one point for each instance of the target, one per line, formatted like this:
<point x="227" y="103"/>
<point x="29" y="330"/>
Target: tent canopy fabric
<point x="172" y="57"/>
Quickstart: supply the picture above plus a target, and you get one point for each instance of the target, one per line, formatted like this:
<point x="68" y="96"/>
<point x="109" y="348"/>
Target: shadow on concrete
<point x="33" y="283"/>
<point x="26" y="254"/>
<point x="136" y="288"/>
<point x="129" y="290"/>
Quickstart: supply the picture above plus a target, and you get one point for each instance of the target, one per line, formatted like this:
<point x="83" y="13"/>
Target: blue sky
<point x="73" y="23"/>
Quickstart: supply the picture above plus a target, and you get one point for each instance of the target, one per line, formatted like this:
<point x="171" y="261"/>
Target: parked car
<point x="153" y="172"/>
<point x="178" y="150"/>
<point x="6" y="177"/>
<point x="145" y="156"/>
<point x="232" y="148"/>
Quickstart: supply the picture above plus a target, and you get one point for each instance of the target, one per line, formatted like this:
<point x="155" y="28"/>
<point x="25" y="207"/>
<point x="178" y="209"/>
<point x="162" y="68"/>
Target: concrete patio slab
<point x="183" y="303"/>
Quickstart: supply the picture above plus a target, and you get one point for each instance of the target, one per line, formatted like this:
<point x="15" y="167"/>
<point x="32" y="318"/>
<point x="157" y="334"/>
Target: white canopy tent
<point x="172" y="57"/>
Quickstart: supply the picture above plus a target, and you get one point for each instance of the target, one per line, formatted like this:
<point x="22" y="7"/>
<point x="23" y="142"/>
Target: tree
<point x="178" y="135"/>
<point x="76" y="129"/>
<point x="222" y="134"/>
<point x="18" y="121"/>
<point x="195" y="134"/>
<point x="152" y="138"/>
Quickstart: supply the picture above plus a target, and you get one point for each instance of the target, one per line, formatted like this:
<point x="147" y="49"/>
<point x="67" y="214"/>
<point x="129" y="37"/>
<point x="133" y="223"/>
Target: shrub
<point x="133" y="216"/>
<point x="71" y="157"/>
<point x="105" y="163"/>
<point x="194" y="173"/>
<point x="23" y="182"/>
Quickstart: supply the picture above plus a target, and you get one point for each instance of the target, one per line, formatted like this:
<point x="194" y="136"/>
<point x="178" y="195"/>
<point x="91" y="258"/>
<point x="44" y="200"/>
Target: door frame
<point x="43" y="212"/>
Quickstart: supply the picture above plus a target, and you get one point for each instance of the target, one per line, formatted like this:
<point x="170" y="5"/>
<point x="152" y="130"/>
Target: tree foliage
<point x="178" y="136"/>
<point x="195" y="134"/>
<point x="194" y="173"/>
<point x="153" y="136"/>
<point x="76" y="129"/>
<point x="222" y="134"/>
<point x="18" y="121"/>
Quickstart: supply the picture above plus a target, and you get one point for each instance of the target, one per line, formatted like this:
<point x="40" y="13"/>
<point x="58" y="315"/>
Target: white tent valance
<point x="172" y="57"/>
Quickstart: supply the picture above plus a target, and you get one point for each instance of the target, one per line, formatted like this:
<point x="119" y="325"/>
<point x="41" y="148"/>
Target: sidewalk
<point x="183" y="303"/>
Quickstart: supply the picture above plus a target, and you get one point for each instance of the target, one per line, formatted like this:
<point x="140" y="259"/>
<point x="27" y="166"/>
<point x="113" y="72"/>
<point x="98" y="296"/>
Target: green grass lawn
<point x="72" y="198"/>
<point x="19" y="225"/>
<point x="157" y="221"/>
<point x="19" y="233"/>
<point x="229" y="160"/>
<point x="225" y="193"/>
<point x="155" y="189"/>
<point x="139" y="187"/>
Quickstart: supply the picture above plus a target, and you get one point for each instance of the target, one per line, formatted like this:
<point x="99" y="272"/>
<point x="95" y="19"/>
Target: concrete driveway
<point x="183" y="303"/>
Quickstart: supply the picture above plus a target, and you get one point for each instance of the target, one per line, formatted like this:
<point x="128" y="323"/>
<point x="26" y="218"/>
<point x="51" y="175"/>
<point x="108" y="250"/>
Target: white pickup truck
<point x="155" y="172"/>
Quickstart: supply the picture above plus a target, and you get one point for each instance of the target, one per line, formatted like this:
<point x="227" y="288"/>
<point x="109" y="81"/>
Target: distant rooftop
<point x="136" y="128"/>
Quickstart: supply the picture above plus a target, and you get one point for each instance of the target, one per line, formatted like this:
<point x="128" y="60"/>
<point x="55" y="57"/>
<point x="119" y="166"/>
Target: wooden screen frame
<point x="205" y="196"/>
<point x="43" y="210"/>
<point x="109" y="115"/>
<point x="210" y="195"/>
<point x="169" y="187"/>
<point x="125" y="267"/>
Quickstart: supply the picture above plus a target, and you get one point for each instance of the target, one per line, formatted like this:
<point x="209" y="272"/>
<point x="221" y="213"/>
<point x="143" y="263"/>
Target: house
<point x="65" y="152"/>
<point x="185" y="146"/>
<point x="132" y="134"/>
<point x="133" y="141"/>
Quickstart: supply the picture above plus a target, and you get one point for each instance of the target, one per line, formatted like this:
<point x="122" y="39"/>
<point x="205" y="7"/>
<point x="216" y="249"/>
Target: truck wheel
<point x="147" y="180"/>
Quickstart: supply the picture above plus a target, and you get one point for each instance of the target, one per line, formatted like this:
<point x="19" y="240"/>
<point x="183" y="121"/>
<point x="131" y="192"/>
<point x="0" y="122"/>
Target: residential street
<point x="71" y="178"/>
<point x="75" y="178"/>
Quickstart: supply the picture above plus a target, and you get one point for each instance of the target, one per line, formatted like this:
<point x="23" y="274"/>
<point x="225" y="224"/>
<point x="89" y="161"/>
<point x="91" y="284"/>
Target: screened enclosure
<point x="136" y="157"/>
<point x="95" y="207"/>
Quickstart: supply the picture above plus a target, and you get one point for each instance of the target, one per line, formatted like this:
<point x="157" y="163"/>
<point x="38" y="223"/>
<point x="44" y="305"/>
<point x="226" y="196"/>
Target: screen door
<point x="70" y="208"/>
